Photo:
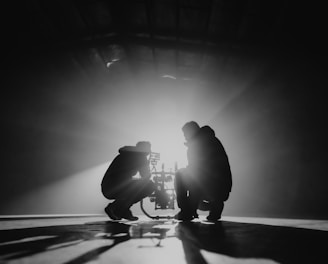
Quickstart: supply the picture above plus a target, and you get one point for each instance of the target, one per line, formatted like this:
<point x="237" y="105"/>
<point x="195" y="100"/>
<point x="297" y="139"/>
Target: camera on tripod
<point x="164" y="194"/>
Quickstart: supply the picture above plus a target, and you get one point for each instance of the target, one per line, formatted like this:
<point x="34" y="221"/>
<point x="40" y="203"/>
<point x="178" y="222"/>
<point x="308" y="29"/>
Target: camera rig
<point x="164" y="195"/>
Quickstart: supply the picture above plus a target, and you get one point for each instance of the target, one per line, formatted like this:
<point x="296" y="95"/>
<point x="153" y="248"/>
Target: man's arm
<point x="144" y="170"/>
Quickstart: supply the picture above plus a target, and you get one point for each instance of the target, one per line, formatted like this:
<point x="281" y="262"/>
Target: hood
<point x="126" y="149"/>
<point x="133" y="149"/>
<point x="206" y="130"/>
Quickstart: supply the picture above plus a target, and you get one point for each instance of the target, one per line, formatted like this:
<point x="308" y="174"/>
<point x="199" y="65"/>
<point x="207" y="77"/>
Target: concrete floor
<point x="96" y="239"/>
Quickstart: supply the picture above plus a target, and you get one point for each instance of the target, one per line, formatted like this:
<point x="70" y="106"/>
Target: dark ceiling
<point x="170" y="22"/>
<point x="180" y="32"/>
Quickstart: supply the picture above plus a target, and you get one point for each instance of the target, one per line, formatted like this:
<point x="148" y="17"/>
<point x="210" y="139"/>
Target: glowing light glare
<point x="78" y="193"/>
<point x="111" y="62"/>
<point x="171" y="149"/>
<point x="169" y="76"/>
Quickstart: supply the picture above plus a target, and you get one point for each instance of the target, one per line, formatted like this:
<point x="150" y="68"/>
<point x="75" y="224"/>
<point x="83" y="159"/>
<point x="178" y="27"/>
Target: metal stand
<point x="157" y="217"/>
<point x="161" y="198"/>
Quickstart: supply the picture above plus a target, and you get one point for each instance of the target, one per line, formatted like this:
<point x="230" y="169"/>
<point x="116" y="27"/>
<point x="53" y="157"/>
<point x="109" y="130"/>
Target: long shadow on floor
<point x="26" y="242"/>
<point x="241" y="240"/>
<point x="19" y="243"/>
<point x="238" y="240"/>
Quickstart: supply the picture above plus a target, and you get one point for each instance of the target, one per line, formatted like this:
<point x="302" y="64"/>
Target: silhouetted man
<point x="207" y="176"/>
<point x="118" y="182"/>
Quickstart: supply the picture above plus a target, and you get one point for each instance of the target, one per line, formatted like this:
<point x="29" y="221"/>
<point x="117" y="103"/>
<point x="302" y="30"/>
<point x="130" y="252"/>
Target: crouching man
<point x="207" y="178"/>
<point x="119" y="185"/>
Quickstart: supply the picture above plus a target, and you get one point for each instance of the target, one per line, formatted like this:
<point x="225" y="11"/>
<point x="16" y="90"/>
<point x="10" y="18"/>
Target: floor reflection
<point x="242" y="241"/>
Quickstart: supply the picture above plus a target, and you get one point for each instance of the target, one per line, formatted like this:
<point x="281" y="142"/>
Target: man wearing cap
<point x="119" y="185"/>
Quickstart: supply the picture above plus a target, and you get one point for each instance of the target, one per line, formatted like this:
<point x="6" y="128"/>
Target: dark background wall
<point x="64" y="116"/>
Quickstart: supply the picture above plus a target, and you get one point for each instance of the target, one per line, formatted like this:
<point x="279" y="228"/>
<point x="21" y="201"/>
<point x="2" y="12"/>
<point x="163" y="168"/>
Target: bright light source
<point x="171" y="148"/>
<point x="169" y="76"/>
<point x="111" y="62"/>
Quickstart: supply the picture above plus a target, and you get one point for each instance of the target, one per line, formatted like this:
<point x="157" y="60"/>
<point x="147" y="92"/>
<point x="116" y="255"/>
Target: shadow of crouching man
<point x="196" y="236"/>
<point x="253" y="242"/>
